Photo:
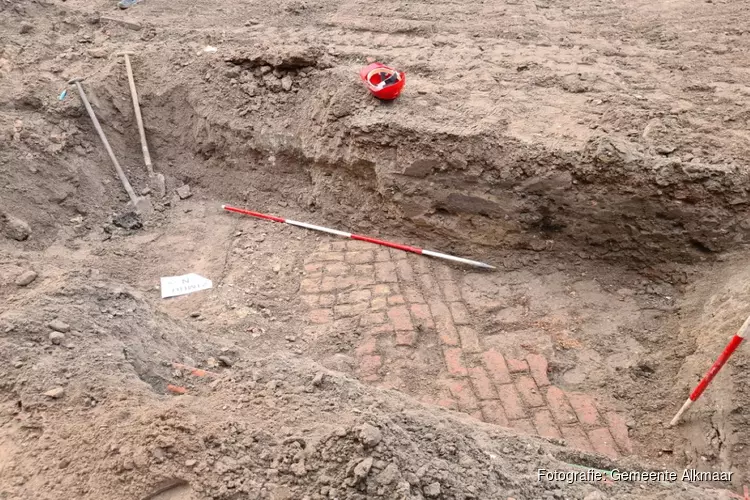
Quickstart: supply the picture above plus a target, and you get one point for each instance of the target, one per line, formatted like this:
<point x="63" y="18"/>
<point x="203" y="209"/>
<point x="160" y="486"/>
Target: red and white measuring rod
<point x="709" y="376"/>
<point x="397" y="246"/>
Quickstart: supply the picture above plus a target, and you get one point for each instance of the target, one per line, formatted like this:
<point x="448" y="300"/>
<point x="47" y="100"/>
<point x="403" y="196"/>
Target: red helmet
<point x="385" y="83"/>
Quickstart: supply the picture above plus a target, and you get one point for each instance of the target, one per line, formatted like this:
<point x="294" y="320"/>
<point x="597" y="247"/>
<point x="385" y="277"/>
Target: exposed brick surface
<point x="404" y="337"/>
<point x="619" y="430"/>
<point x="385" y="272"/>
<point x="584" y="407"/>
<point x="558" y="405"/>
<point x="496" y="367"/>
<point x="350" y="310"/>
<point x="545" y="425"/>
<point x="368" y="346"/>
<point x="529" y="391"/>
<point x="450" y="291"/>
<point x="576" y="438"/>
<point x="421" y="315"/>
<point x="510" y="401"/>
<point x="459" y="313"/>
<point x="382" y="289"/>
<point x="320" y="316"/>
<point x="413" y="295"/>
<point x="469" y="339"/>
<point x="454" y="361"/>
<point x="444" y="323"/>
<point x="404" y="271"/>
<point x="369" y="366"/>
<point x="523" y="425"/>
<point x="309" y="286"/>
<point x="396" y="299"/>
<point x="602" y="442"/>
<point x="362" y="257"/>
<point x="517" y="365"/>
<point x="327" y="300"/>
<point x="336" y="269"/>
<point x="399" y="316"/>
<point x="481" y="383"/>
<point x="310" y="300"/>
<point x="462" y="393"/>
<point x="538" y="367"/>
<point x="493" y="413"/>
<point x="378" y="304"/>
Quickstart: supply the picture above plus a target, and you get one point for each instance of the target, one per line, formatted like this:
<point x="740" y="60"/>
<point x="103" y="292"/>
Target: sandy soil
<point x="594" y="151"/>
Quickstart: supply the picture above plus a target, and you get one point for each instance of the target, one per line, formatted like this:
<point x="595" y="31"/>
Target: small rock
<point x="145" y="191"/>
<point x="99" y="53"/>
<point x="190" y="463"/>
<point x="25" y="278"/>
<point x="363" y="468"/>
<point x="59" y="326"/>
<point x="318" y="380"/>
<point x="55" y="393"/>
<point x="212" y="363"/>
<point x="224" y="360"/>
<point x="56" y="338"/>
<point x="432" y="490"/>
<point x="15" y="228"/>
<point x="370" y="435"/>
<point x="184" y="192"/>
<point x="25" y="28"/>
<point x="195" y="314"/>
<point x="286" y="83"/>
<point x="127" y="220"/>
<point x="389" y="475"/>
<point x="277" y="268"/>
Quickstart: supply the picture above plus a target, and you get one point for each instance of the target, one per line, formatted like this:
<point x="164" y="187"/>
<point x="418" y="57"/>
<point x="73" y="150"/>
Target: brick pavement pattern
<point x="416" y="335"/>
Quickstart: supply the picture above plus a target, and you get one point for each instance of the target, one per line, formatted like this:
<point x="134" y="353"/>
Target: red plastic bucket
<point x="373" y="76"/>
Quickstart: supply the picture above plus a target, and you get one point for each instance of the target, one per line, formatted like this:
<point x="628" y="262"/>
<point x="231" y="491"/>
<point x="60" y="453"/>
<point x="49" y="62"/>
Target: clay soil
<point x="594" y="151"/>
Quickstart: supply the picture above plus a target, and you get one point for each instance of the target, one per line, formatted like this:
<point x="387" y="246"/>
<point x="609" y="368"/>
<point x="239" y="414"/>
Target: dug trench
<point x="620" y="278"/>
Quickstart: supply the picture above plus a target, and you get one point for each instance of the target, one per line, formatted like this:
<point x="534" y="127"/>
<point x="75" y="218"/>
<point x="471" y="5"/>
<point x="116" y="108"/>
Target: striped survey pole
<point x="398" y="246"/>
<point x="711" y="373"/>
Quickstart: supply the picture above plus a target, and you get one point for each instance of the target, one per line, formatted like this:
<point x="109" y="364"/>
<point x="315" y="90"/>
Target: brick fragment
<point x="517" y="365"/>
<point x="576" y="438"/>
<point x="320" y="316"/>
<point x="529" y="391"/>
<point x="585" y="408"/>
<point x="459" y="313"/>
<point x="558" y="405"/>
<point x="454" y="362"/>
<point x="481" y="383"/>
<point x="493" y="413"/>
<point x="602" y="442"/>
<point x="421" y="315"/>
<point x="545" y="425"/>
<point x="495" y="363"/>
<point x="538" y="367"/>
<point x="469" y="339"/>
<point x="619" y="430"/>
<point x="510" y="401"/>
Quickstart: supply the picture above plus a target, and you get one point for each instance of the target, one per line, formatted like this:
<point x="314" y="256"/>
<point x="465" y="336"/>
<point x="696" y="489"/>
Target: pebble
<point x="55" y="393"/>
<point x="286" y="83"/>
<point x="25" y="28"/>
<point x="363" y="468"/>
<point x="432" y="490"/>
<point x="56" y="337"/>
<point x="318" y="380"/>
<point x="226" y="361"/>
<point x="190" y="463"/>
<point x="370" y="435"/>
<point x="16" y="228"/>
<point x="26" y="278"/>
<point x="59" y="326"/>
<point x="184" y="192"/>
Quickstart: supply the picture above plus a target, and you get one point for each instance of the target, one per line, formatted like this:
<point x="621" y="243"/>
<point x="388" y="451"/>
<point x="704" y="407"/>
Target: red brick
<point x="413" y="295"/>
<point x="517" y="365"/>
<point x="378" y="304"/>
<point x="461" y="391"/>
<point x="354" y="297"/>
<point x="459" y="313"/>
<point x="444" y="273"/>
<point x="350" y="310"/>
<point x="332" y="257"/>
<point x="396" y="299"/>
<point x="376" y="318"/>
<point x="369" y="367"/>
<point x="363" y="257"/>
<point x="444" y="323"/>
<point x="313" y="266"/>
<point x="397" y="254"/>
<point x="359" y="246"/>
<point x="524" y="425"/>
<point x="368" y="345"/>
<point x="309" y="286"/>
<point x="386" y="272"/>
<point x="450" y="291"/>
<point x="381" y="289"/>
<point x="447" y="403"/>
<point x="421" y="314"/>
<point x="363" y="281"/>
<point x="406" y="337"/>
<point x="404" y="270"/>
<point x="320" y="316"/>
<point x="382" y="255"/>
<point x="584" y="407"/>
<point x="328" y="284"/>
<point x="538" y="368"/>
<point x="336" y="269"/>
<point x="481" y="382"/>
<point x="469" y="339"/>
<point x="602" y="442"/>
<point x="454" y="362"/>
<point x="477" y="415"/>
<point x="493" y="413"/>
<point x="529" y="391"/>
<point x="367" y="270"/>
<point x="495" y="364"/>
<point x="429" y="285"/>
<point x="344" y="282"/>
<point x="576" y="438"/>
<point x="420" y="264"/>
<point x="510" y="401"/>
<point x="544" y="424"/>
<point x="619" y="430"/>
<point x="327" y="300"/>
<point x="311" y="300"/>
<point x="558" y="405"/>
<point x="399" y="316"/>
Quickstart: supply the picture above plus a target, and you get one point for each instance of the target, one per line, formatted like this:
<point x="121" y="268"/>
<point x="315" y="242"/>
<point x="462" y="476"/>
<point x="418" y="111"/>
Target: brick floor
<point x="401" y="303"/>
